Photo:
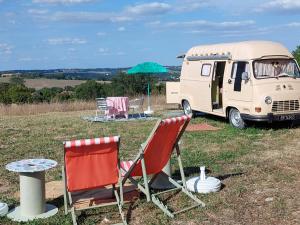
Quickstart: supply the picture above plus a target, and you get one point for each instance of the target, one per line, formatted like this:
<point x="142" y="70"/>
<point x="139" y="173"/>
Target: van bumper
<point x="270" y="117"/>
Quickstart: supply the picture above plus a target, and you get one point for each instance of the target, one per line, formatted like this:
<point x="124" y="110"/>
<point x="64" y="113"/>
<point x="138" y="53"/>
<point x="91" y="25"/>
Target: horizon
<point x="91" y="34"/>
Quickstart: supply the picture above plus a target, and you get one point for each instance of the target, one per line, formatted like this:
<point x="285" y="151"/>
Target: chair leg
<point x="73" y="216"/>
<point x="65" y="190"/>
<point x="180" y="166"/>
<point x="145" y="179"/>
<point x="120" y="205"/>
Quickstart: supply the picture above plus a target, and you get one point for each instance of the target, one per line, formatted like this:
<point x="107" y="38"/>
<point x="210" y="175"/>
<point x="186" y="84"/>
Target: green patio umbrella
<point x="147" y="68"/>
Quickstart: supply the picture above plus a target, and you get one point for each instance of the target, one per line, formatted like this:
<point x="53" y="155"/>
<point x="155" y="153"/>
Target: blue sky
<point x="45" y="34"/>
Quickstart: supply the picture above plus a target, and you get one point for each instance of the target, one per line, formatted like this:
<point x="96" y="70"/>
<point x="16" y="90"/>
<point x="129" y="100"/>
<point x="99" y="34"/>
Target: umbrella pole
<point x="149" y="109"/>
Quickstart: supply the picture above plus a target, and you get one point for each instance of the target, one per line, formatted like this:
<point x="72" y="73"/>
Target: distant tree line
<point x="122" y="85"/>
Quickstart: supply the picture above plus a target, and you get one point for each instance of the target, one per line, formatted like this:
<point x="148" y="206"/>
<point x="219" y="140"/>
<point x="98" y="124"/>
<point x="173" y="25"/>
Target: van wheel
<point x="187" y="108"/>
<point x="235" y="119"/>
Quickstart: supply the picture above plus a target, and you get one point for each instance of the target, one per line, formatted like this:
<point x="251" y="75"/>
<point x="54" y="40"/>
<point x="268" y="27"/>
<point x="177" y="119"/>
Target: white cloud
<point x="190" y="5"/>
<point x="120" y="53"/>
<point x="154" y="23"/>
<point x="104" y="51"/>
<point x="101" y="34"/>
<point x="37" y="11"/>
<point x="61" y="1"/>
<point x="294" y="24"/>
<point x="280" y="5"/>
<point x="152" y="8"/>
<point x="62" y="41"/>
<point x="87" y="17"/>
<point x="130" y="13"/>
<point x="25" y="59"/>
<point x="71" y="49"/>
<point x="204" y="24"/>
<point x="121" y="29"/>
<point x="5" y="48"/>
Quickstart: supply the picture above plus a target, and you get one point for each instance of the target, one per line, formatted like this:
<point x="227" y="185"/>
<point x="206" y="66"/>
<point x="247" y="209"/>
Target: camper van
<point x="245" y="81"/>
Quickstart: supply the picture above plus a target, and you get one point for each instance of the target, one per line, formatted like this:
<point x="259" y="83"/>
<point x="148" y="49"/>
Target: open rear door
<point x="172" y="92"/>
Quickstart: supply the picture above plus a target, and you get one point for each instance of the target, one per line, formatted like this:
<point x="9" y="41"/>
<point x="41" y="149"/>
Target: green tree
<point x="19" y="94"/>
<point x="90" y="90"/>
<point x="4" y="96"/>
<point x="296" y="54"/>
<point x="129" y="85"/>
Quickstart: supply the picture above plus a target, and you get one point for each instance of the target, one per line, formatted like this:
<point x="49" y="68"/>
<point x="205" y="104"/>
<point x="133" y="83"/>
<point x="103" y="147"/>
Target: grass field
<point x="48" y="83"/>
<point x="258" y="166"/>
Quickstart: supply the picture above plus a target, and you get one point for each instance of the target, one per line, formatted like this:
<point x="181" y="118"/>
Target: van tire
<point x="187" y="108"/>
<point x="235" y="119"/>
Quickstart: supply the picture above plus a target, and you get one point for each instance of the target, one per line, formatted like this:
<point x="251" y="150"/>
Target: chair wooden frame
<point x="69" y="205"/>
<point x="145" y="183"/>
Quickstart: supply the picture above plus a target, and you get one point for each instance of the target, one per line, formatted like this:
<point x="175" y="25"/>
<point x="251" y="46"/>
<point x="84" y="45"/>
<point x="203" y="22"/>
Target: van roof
<point x="241" y="50"/>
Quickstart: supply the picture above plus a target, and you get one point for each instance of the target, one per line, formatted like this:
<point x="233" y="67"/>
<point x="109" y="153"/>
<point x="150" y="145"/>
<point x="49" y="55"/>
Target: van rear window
<point x="206" y="70"/>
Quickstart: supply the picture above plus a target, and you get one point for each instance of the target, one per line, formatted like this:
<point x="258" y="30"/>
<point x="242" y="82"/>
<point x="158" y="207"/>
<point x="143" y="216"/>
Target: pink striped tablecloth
<point x="118" y="106"/>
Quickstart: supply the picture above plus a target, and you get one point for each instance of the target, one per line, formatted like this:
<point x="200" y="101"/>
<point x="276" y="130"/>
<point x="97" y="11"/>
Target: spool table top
<point x="31" y="165"/>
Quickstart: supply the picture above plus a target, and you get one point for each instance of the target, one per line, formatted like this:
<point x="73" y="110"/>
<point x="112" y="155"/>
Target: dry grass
<point x="49" y="83"/>
<point x="35" y="109"/>
<point x="158" y="103"/>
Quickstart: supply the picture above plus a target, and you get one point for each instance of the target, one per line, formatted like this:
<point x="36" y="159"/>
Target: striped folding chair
<point x="153" y="156"/>
<point x="91" y="164"/>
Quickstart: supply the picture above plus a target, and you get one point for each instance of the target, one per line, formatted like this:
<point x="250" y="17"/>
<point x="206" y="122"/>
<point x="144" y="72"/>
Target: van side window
<point x="238" y="68"/>
<point x="206" y="70"/>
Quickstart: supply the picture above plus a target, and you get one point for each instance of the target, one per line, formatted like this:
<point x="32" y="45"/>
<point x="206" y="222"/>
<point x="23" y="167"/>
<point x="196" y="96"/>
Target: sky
<point x="49" y="34"/>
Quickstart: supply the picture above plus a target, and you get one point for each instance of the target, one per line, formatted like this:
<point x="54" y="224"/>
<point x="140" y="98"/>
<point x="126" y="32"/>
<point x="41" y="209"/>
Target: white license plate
<point x="286" y="117"/>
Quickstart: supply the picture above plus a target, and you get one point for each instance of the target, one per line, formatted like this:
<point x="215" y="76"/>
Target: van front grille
<point x="285" y="106"/>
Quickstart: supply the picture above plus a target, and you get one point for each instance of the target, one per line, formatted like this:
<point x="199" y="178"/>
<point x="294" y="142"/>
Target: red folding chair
<point x="88" y="165"/>
<point x="154" y="155"/>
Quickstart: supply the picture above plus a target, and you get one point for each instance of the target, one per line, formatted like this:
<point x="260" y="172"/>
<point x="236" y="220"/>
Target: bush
<point x="4" y="96"/>
<point x="19" y="94"/>
<point x="90" y="90"/>
<point x="46" y="94"/>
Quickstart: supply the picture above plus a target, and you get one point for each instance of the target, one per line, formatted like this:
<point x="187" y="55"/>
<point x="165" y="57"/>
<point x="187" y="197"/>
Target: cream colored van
<point x="252" y="80"/>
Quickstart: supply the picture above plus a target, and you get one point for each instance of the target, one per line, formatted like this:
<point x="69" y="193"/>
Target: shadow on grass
<point x="188" y="171"/>
<point x="225" y="176"/>
<point x="276" y="125"/>
<point x="58" y="202"/>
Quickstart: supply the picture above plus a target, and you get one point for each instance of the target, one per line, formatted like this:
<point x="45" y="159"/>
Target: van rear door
<point x="172" y="92"/>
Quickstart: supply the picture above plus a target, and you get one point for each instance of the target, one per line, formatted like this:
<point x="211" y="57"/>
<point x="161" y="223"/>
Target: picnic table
<point x="32" y="189"/>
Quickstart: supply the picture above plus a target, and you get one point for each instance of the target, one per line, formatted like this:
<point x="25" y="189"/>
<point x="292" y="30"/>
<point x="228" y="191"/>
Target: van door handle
<point x="229" y="81"/>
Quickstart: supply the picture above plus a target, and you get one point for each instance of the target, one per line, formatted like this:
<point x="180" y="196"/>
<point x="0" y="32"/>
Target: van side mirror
<point x="245" y="76"/>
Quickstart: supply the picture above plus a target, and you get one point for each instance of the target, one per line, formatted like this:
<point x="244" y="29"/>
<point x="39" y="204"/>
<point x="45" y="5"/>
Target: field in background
<point x="40" y="83"/>
<point x="259" y="166"/>
<point x="157" y="102"/>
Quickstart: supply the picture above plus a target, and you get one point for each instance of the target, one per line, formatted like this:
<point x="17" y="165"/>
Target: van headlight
<point x="268" y="100"/>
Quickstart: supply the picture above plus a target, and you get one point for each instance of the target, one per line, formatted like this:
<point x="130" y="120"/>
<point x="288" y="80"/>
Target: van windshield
<point x="274" y="68"/>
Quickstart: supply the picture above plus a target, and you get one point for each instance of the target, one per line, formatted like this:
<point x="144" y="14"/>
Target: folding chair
<point x="153" y="156"/>
<point x="105" y="110"/>
<point x="91" y="164"/>
<point x="137" y="105"/>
